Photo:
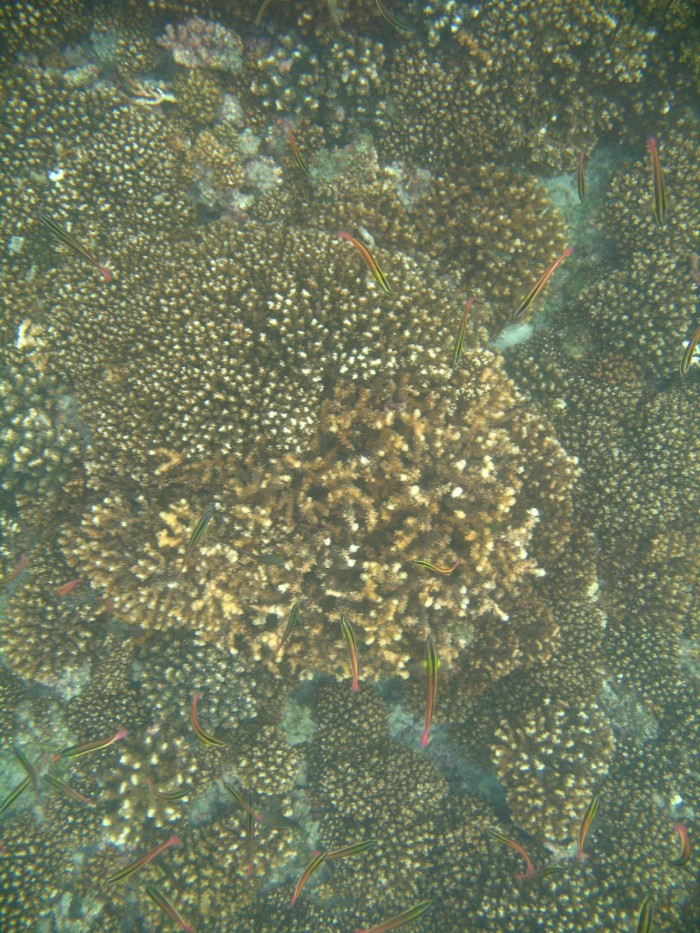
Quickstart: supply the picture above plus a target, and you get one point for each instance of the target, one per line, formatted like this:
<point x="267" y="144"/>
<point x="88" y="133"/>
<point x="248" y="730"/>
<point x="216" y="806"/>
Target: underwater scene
<point x="350" y="464"/>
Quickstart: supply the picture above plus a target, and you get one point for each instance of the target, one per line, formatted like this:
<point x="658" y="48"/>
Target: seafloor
<point x="225" y="427"/>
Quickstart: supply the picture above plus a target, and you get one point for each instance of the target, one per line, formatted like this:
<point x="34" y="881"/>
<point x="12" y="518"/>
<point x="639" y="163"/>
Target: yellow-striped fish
<point x="68" y="240"/>
<point x="372" y="263"/>
<point x="196" y="537"/>
<point x="398" y="22"/>
<point x="684" y="855"/>
<point x="15" y="793"/>
<point x="68" y="790"/>
<point x="432" y="664"/>
<point x="261" y="12"/>
<point x="134" y="866"/>
<point x="461" y="332"/>
<point x="646" y="915"/>
<point x="292" y="623"/>
<point x="539" y="285"/>
<point x="659" y="187"/>
<point x="588" y="818"/>
<point x="445" y="571"/>
<point x="351" y="642"/>
<point x="295" y="151"/>
<point x="157" y="896"/>
<point x="75" y="751"/>
<point x="400" y="920"/>
<point x="312" y="867"/>
<point x="689" y="352"/>
<point x="355" y="849"/>
<point x="580" y="178"/>
<point x="204" y="737"/>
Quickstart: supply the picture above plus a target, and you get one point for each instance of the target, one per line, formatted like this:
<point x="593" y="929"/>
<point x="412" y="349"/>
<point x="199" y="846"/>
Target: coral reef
<point x="355" y="788"/>
<point x="199" y="98"/>
<point x="30" y="866"/>
<point x="12" y="692"/>
<point x="270" y="913"/>
<point x="456" y="219"/>
<point x="241" y="358"/>
<point x="254" y="327"/>
<point x="627" y="214"/>
<point x="653" y="291"/>
<point x="639" y="482"/>
<point x="172" y="668"/>
<point x="94" y="176"/>
<point x="461" y="223"/>
<point x="122" y="42"/>
<point x="214" y="165"/>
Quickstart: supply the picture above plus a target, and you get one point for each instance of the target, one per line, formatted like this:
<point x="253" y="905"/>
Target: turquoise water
<point x="372" y="312"/>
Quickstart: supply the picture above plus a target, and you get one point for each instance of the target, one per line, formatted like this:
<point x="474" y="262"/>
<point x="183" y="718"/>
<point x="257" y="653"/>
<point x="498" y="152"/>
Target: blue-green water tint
<point x="241" y="356"/>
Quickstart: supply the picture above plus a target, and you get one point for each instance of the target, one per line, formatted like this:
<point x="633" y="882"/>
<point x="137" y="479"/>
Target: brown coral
<point x="199" y="96"/>
<point x="40" y="440"/>
<point x="456" y="218"/>
<point x="30" y="25"/>
<point x="214" y="165"/>
<point x="50" y="638"/>
<point x="551" y="765"/>
<point x="541" y="88"/>
<point x="335" y="85"/>
<point x="33" y="860"/>
<point x="63" y="155"/>
<point x="395" y="474"/>
<point x="628" y="218"/>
